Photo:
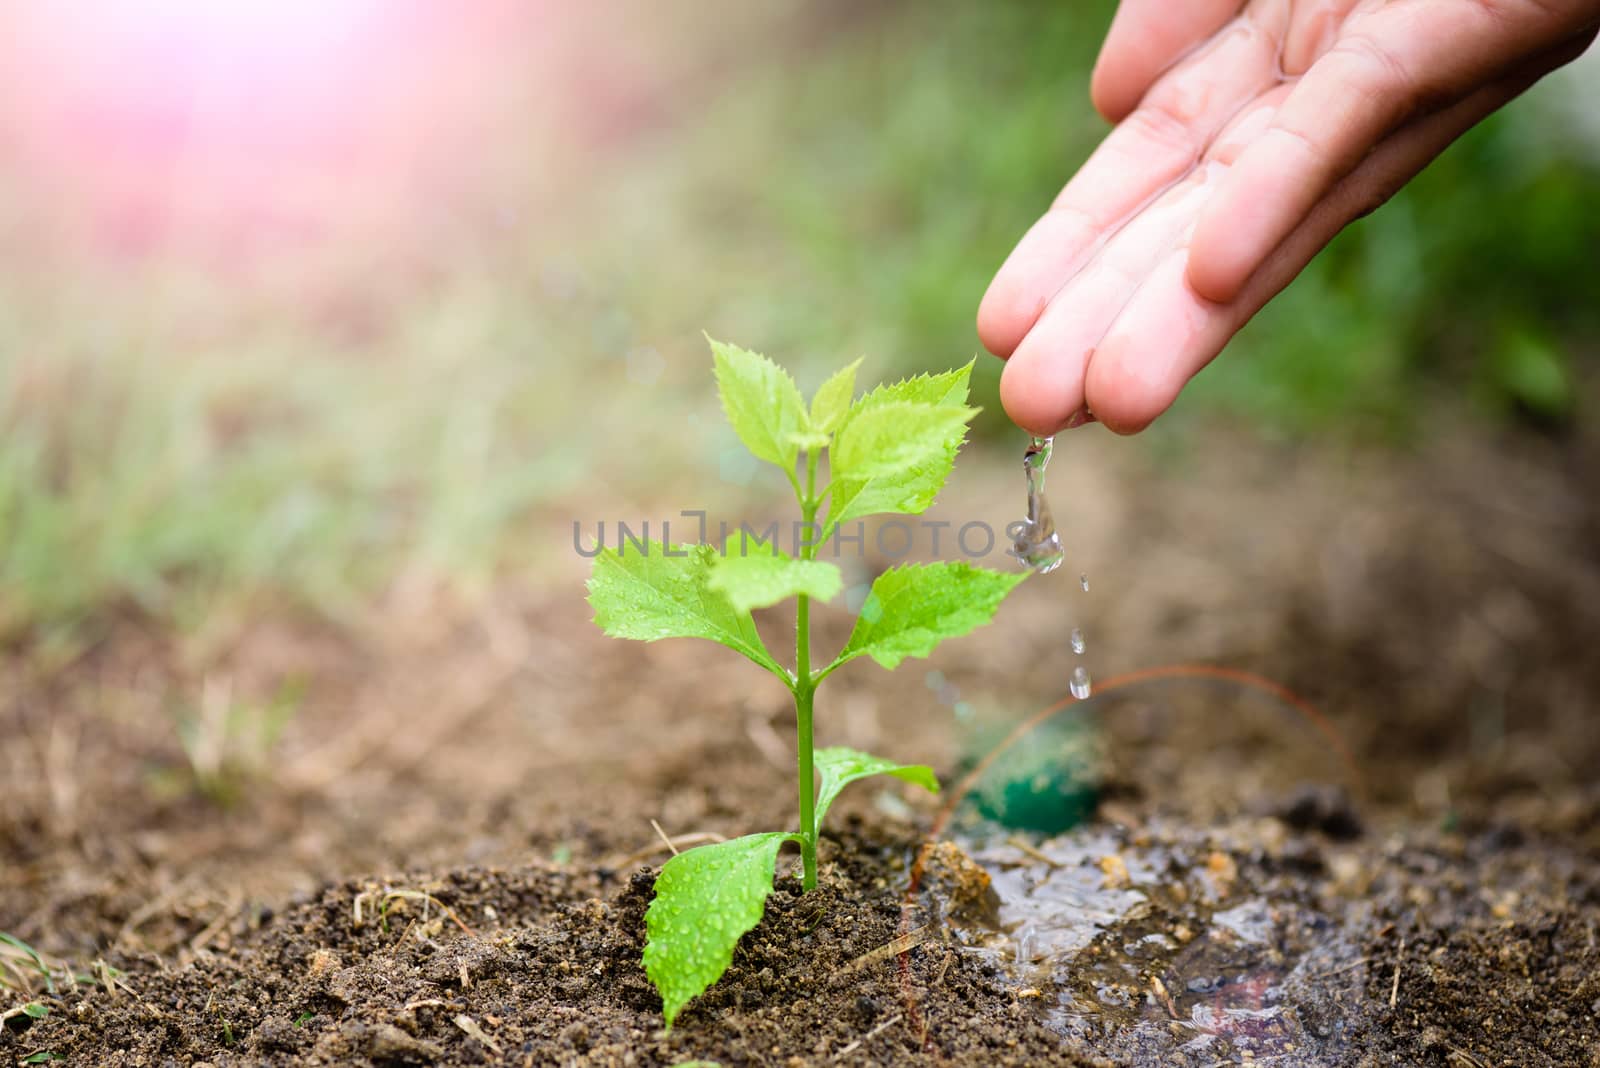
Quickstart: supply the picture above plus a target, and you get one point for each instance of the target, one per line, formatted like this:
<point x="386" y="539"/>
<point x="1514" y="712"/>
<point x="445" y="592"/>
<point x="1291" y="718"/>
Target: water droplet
<point x="1083" y="583"/>
<point x="1078" y="644"/>
<point x="1080" y="683"/>
<point x="1038" y="545"/>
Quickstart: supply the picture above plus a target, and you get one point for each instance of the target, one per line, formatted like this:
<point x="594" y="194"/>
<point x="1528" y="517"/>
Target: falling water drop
<point x="1038" y="545"/>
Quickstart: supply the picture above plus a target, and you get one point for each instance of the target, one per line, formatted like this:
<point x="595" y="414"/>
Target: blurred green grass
<point x="849" y="195"/>
<point x="132" y="480"/>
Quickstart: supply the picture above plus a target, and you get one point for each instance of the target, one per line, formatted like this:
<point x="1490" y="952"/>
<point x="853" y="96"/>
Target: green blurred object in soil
<point x="1047" y="782"/>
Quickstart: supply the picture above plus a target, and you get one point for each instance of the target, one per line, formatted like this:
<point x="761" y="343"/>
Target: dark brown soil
<point x="501" y="763"/>
<point x="550" y="975"/>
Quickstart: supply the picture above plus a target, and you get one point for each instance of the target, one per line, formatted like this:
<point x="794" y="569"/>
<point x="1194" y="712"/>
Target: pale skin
<point x="1246" y="136"/>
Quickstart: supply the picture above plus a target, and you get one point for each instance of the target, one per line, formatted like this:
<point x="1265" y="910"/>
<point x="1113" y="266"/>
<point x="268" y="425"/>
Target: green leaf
<point x="44" y="1056"/>
<point x="35" y="1011"/>
<point x="911" y="488"/>
<point x="831" y="402"/>
<point x="889" y="439"/>
<point x="752" y="573"/>
<point x="761" y="401"/>
<point x="912" y="608"/>
<point x="908" y="492"/>
<point x="706" y="899"/>
<point x="946" y="389"/>
<point x="839" y="767"/>
<point x="650" y="595"/>
<point x="22" y="947"/>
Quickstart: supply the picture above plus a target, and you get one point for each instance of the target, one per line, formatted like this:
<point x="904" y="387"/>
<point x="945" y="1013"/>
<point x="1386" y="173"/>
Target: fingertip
<point x="1123" y="399"/>
<point x="1145" y="39"/>
<point x="1111" y="82"/>
<point x="1035" y="395"/>
<point x="1127" y="428"/>
<point x="1113" y="94"/>
<point x="1219" y="263"/>
<point x="1162" y="339"/>
<point x="1001" y="322"/>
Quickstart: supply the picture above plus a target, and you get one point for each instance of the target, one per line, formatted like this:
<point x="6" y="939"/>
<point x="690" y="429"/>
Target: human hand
<point x="1247" y="136"/>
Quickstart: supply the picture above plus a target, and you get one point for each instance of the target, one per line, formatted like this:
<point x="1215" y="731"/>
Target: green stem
<point x="804" y="691"/>
<point x="805" y="688"/>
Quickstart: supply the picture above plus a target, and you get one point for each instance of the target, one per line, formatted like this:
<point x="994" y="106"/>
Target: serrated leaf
<point x="831" y="402"/>
<point x="840" y="766"/>
<point x="911" y="489"/>
<point x="761" y="401"/>
<point x="946" y="389"/>
<point x="706" y="899"/>
<point x="753" y="573"/>
<point x="650" y="595"/>
<point x="907" y="492"/>
<point x="891" y="438"/>
<point x="914" y="607"/>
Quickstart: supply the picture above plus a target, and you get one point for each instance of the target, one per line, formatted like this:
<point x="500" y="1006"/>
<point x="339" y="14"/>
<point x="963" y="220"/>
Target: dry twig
<point x="893" y="948"/>
<point x="868" y="1037"/>
<point x="1029" y="849"/>
<point x="1394" y="991"/>
<point x="1456" y="1052"/>
<point x="1352" y="966"/>
<point x="470" y="1026"/>
<point x="199" y="942"/>
<point x="684" y="840"/>
<point x="389" y="894"/>
<point x="664" y="837"/>
<point x="1160" y="990"/>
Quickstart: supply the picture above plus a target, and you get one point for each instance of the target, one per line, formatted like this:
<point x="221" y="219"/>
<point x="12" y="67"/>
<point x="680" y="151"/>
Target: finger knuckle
<point x="1301" y="141"/>
<point x="1377" y="73"/>
<point x="1512" y="15"/>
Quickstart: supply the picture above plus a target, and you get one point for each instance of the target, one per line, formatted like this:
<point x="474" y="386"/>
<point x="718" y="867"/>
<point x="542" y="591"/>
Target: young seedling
<point x="889" y="452"/>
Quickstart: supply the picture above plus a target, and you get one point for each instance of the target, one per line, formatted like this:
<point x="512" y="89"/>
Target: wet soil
<point x="445" y="858"/>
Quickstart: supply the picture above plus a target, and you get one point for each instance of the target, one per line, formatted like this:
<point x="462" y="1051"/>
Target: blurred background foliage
<point x="217" y="413"/>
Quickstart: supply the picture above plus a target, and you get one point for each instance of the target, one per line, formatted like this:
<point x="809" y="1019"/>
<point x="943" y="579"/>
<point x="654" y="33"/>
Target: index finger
<point x="1148" y="152"/>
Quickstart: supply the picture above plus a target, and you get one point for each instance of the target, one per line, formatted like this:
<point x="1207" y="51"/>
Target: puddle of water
<point x="1161" y="954"/>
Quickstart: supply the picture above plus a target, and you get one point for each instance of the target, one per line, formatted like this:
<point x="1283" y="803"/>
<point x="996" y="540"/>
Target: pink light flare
<point x="233" y="126"/>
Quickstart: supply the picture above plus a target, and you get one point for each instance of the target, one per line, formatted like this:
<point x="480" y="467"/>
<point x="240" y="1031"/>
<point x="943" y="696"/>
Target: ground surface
<point x="445" y="865"/>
